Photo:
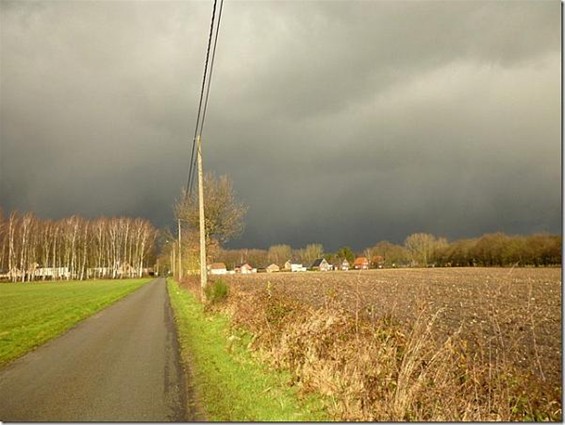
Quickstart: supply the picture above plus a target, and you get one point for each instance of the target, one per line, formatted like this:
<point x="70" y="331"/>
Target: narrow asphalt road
<point x="121" y="364"/>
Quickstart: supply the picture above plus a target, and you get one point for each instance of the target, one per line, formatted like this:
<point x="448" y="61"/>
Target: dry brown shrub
<point x="387" y="370"/>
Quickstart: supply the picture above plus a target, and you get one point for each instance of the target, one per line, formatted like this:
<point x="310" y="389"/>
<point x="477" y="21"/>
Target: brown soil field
<point x="512" y="311"/>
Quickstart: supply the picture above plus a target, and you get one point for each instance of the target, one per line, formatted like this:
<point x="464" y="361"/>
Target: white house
<point x="294" y="266"/>
<point x="297" y="268"/>
<point x="245" y="269"/>
<point x="218" y="268"/>
<point x="52" y="272"/>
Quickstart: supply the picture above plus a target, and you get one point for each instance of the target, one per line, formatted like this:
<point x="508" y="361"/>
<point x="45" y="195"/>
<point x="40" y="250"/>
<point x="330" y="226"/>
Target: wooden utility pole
<point x="203" y="269"/>
<point x="180" y="256"/>
<point x="173" y="260"/>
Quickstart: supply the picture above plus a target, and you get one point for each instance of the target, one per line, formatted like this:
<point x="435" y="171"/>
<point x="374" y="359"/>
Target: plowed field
<point x="514" y="311"/>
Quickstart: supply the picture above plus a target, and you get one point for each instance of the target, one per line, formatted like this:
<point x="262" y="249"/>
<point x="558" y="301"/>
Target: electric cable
<point x="209" y="80"/>
<point x="191" y="165"/>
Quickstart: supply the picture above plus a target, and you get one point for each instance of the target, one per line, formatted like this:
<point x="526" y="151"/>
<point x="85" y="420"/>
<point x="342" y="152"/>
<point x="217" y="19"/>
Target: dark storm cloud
<point x="339" y="122"/>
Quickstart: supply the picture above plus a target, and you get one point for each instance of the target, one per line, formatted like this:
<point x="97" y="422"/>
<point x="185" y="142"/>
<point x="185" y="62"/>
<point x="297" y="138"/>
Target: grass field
<point x="33" y="313"/>
<point x="231" y="385"/>
<point x="445" y="344"/>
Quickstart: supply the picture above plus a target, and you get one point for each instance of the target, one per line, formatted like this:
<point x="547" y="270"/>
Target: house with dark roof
<point x="321" y="264"/>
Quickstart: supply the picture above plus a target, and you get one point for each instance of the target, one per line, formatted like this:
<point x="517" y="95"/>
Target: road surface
<point x="121" y="364"/>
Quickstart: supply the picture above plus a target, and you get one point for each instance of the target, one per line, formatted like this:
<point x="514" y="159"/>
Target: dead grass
<point x="383" y="367"/>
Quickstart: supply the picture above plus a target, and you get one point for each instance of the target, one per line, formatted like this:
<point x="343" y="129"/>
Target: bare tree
<point x="312" y="252"/>
<point x="26" y="245"/>
<point x="3" y="241"/>
<point x="420" y="246"/>
<point x="279" y="254"/>
<point x="224" y="213"/>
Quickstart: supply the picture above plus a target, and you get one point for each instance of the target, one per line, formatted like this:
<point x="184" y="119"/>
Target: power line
<point x="191" y="165"/>
<point x="207" y="77"/>
<point x="211" y="67"/>
<point x="209" y="81"/>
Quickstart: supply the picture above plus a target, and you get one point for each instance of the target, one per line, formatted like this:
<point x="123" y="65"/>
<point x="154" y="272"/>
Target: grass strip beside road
<point x="230" y="384"/>
<point x="34" y="313"/>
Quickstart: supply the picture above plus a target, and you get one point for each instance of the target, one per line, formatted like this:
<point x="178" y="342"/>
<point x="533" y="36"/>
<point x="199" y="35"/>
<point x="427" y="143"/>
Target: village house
<point x="272" y="268"/>
<point x="13" y="274"/>
<point x="52" y="272"/>
<point x="94" y="272"/>
<point x="361" y="263"/>
<point x="294" y="266"/>
<point x="245" y="269"/>
<point x="126" y="270"/>
<point x="378" y="261"/>
<point x="217" y="268"/>
<point x="322" y="265"/>
<point x="344" y="265"/>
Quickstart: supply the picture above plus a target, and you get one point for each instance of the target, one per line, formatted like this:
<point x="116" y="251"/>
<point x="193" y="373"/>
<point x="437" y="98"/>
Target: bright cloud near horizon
<point x="339" y="122"/>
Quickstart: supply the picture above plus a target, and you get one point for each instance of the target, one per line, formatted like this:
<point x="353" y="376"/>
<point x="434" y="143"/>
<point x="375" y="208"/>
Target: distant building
<point x="217" y="268"/>
<point x="126" y="270"/>
<point x="378" y="261"/>
<point x="94" y="272"/>
<point x="322" y="265"/>
<point x="344" y="265"/>
<point x="297" y="268"/>
<point x="361" y="263"/>
<point x="273" y="268"/>
<point x="294" y="266"/>
<point x="52" y="272"/>
<point x="245" y="269"/>
<point x="13" y="274"/>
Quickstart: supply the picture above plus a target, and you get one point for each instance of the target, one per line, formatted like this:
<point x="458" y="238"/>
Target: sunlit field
<point x="33" y="313"/>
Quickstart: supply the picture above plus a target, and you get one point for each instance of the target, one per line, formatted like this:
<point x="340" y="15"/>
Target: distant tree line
<point x="418" y="250"/>
<point x="74" y="248"/>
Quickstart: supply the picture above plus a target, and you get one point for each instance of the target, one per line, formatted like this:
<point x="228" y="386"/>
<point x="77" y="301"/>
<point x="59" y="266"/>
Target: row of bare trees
<point x="74" y="248"/>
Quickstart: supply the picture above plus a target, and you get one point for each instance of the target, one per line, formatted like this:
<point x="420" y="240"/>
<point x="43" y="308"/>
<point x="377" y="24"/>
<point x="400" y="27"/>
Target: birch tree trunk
<point x="11" y="246"/>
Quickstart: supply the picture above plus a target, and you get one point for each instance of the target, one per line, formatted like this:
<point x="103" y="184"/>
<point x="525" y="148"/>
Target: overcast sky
<point x="339" y="122"/>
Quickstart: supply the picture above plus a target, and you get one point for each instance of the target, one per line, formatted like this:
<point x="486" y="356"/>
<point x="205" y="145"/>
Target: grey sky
<point x="342" y="123"/>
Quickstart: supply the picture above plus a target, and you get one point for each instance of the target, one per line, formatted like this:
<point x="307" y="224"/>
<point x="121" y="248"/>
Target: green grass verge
<point x="230" y="384"/>
<point x="33" y="313"/>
